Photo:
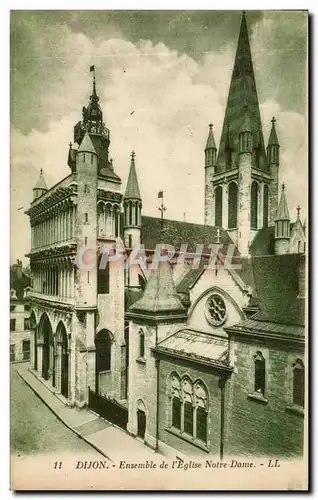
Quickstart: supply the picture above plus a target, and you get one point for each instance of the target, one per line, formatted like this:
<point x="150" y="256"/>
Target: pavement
<point x="112" y="442"/>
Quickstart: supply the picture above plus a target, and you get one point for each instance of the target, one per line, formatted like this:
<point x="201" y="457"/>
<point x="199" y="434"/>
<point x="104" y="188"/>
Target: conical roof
<point x="273" y="140"/>
<point x="132" y="188"/>
<point x="41" y="184"/>
<point x="86" y="145"/>
<point x="282" y="211"/>
<point x="246" y="123"/>
<point x="210" y="143"/>
<point x="160" y="295"/>
<point x="242" y="93"/>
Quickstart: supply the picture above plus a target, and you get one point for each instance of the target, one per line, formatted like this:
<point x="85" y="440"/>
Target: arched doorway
<point x="64" y="358"/>
<point x="141" y="419"/>
<point x="33" y="329"/>
<point x="45" y="331"/>
<point x="103" y="343"/>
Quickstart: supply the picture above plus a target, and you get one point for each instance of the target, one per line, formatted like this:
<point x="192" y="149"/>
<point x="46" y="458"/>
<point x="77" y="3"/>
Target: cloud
<point x="173" y="98"/>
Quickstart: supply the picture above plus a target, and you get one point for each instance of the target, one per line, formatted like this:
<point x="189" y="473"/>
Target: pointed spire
<point x="41" y="184"/>
<point x="242" y="92"/>
<point x="86" y="145"/>
<point x="132" y="188"/>
<point x="160" y="295"/>
<point x="210" y="143"/>
<point x="282" y="211"/>
<point x="273" y="140"/>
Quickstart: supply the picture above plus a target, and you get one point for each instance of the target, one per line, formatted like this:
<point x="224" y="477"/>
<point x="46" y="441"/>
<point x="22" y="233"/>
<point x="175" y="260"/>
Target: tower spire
<point x="242" y="93"/>
<point x="132" y="187"/>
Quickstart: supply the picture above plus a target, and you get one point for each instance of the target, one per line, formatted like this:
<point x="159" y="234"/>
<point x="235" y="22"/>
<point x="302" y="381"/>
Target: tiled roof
<point x="177" y="233"/>
<point x="263" y="242"/>
<point x="19" y="284"/>
<point x="277" y="287"/>
<point x="131" y="296"/>
<point x="160" y="295"/>
<point x="196" y="345"/>
<point x="255" y="324"/>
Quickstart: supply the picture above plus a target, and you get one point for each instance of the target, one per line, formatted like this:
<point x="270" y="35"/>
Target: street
<point x="34" y="428"/>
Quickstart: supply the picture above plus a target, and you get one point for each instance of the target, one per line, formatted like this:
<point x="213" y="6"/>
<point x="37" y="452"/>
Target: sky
<point x="162" y="77"/>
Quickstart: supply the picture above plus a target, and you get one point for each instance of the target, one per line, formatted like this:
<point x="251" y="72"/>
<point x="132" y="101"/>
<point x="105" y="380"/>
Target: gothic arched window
<point x="232" y="205"/>
<point x="265" y="206"/>
<point x="218" y="206"/>
<point x="200" y="400"/>
<point x="187" y="394"/>
<point x="176" y="401"/>
<point x="141" y="344"/>
<point x="259" y="367"/>
<point x="103" y="344"/>
<point x="254" y="204"/>
<point x="298" y="383"/>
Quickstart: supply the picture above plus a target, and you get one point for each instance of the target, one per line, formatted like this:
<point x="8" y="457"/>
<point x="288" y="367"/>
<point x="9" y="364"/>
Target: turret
<point x="273" y="166"/>
<point x="282" y="226"/>
<point x="132" y="220"/>
<point x="210" y="163"/>
<point x="40" y="187"/>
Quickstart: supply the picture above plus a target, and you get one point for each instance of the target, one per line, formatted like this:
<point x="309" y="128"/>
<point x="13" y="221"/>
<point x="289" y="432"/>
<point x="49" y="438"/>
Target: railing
<point x="109" y="409"/>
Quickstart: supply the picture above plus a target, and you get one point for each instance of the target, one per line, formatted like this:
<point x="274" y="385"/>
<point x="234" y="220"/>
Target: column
<point x="71" y="222"/>
<point x="225" y="205"/>
<point x="58" y="374"/>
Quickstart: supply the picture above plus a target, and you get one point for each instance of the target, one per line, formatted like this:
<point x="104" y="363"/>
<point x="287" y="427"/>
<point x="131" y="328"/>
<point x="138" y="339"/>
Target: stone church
<point x="195" y="360"/>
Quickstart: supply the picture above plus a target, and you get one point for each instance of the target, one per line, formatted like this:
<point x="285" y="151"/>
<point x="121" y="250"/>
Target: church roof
<point x="87" y="145"/>
<point x="210" y="143"/>
<point x="282" y="211"/>
<point x="278" y="284"/>
<point x="132" y="188"/>
<point x="177" y="233"/>
<point x="160" y="295"/>
<point x="41" y="184"/>
<point x="197" y="346"/>
<point x="242" y="93"/>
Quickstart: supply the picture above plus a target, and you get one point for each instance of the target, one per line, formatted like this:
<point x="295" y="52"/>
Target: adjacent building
<point x="195" y="360"/>
<point x="20" y="287"/>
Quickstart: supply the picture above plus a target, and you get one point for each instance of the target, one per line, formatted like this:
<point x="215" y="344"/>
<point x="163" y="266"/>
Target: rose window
<point x="216" y="310"/>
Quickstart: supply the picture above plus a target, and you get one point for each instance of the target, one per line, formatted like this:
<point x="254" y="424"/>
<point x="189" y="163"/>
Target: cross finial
<point x="298" y="211"/>
<point x="218" y="236"/>
<point x="273" y="120"/>
<point x="41" y="171"/>
<point x="70" y="145"/>
<point x="133" y="154"/>
<point x="283" y="186"/>
<point x="211" y="126"/>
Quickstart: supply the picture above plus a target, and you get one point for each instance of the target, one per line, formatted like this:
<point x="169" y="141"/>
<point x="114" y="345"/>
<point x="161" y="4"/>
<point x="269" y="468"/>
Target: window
<point x="12" y="308"/>
<point x="92" y="159"/>
<point x="83" y="157"/>
<point x="103" y="351"/>
<point x="26" y="349"/>
<point x="103" y="276"/>
<point x="85" y="188"/>
<point x="12" y="325"/>
<point x="141" y="344"/>
<point x="254" y="205"/>
<point x="232" y="206"/>
<point x="189" y="408"/>
<point x="12" y="352"/>
<point x="129" y="241"/>
<point x="215" y="310"/>
<point x="259" y="382"/>
<point x="176" y="412"/>
<point x="86" y="217"/>
<point x="218" y="206"/>
<point x="85" y="241"/>
<point x="265" y="206"/>
<point x="27" y="307"/>
<point x="298" y="383"/>
<point x="27" y="323"/>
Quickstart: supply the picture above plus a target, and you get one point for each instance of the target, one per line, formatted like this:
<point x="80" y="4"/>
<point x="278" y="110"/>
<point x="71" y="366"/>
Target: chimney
<point x="19" y="269"/>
